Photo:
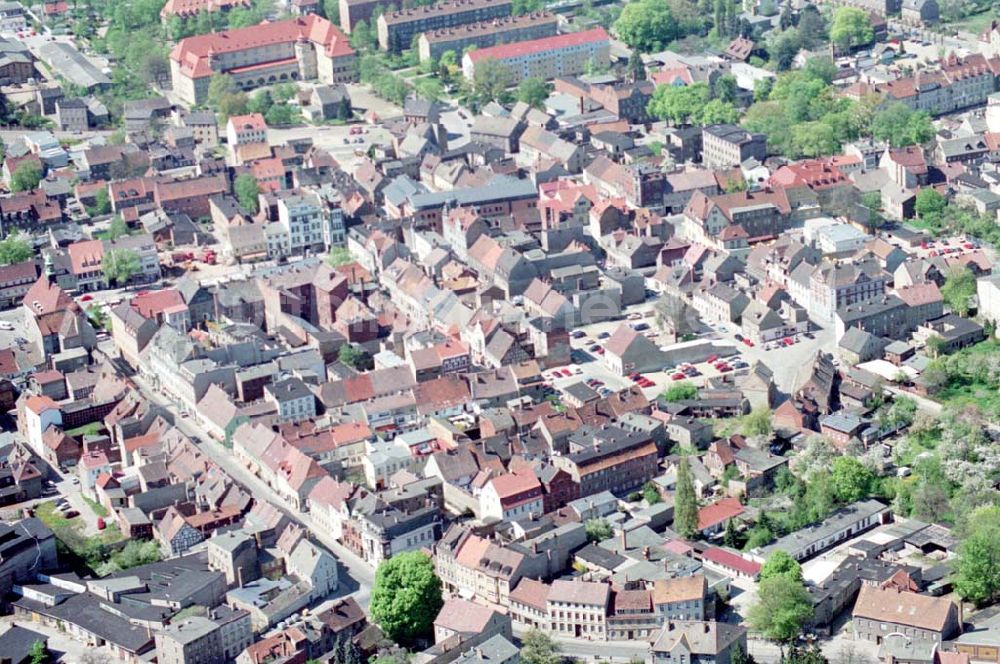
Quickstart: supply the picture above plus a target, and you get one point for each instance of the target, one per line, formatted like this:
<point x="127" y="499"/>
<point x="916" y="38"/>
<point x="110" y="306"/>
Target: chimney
<point x="624" y="539"/>
<point x="645" y="553"/>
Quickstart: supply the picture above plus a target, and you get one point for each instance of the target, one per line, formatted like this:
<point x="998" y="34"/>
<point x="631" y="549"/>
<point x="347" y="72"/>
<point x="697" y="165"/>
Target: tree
<point x="26" y="176"/>
<point x="959" y="288"/>
<point x="685" y="502"/>
<point x="38" y="653"/>
<point x="851" y="27"/>
<point x="15" y="248"/>
<point x="120" y="265"/>
<point x="331" y="10"/>
<point x="977" y="576"/>
<point x="901" y="126"/>
<point x="681" y="391"/>
<point x="406" y="597"/>
<point x="154" y="67"/>
<point x="929" y="204"/>
<point x="729" y="536"/>
<point x="490" y="81"/>
<point x="852" y="481"/>
<point x="116" y="229"/>
<point x="678" y="104"/>
<point x="362" y="36"/>
<point x="812" y="27"/>
<point x="353" y="356"/>
<point x="533" y="92"/>
<point x="102" y="203"/>
<point x="247" y="190"/>
<point x="725" y="88"/>
<point x="757" y="423"/>
<point x="598" y="530"/>
<point x="781" y="563"/>
<point x="647" y="25"/>
<point x="717" y="111"/>
<point x="219" y="86"/>
<point x="782" y="610"/>
<point x="651" y="493"/>
<point x="737" y="656"/>
<point x="636" y="68"/>
<point x="537" y="647"/>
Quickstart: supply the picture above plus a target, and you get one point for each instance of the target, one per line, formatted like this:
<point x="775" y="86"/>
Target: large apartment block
<point x="396" y="30"/>
<point x="548" y="58"/>
<point x="726" y="146"/>
<point x="505" y="30"/>
<point x="303" y="48"/>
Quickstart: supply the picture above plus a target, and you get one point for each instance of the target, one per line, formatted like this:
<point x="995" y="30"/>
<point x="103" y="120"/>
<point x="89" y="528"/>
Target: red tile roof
<point x="532" y="46"/>
<point x="156" y="302"/>
<point x="718" y="512"/>
<point x="192" y="7"/>
<point x="730" y="560"/>
<point x="193" y="53"/>
<point x="85" y="256"/>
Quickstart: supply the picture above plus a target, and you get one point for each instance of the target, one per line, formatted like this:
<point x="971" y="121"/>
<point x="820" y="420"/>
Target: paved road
<point x="356" y="576"/>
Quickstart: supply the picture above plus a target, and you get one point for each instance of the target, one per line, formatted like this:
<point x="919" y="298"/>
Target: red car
<point x="788" y="341"/>
<point x="86" y="298"/>
<point x="712" y="358"/>
<point x="724" y="368"/>
<point x="100" y="523"/>
<point x="600" y="350"/>
<point x="678" y="376"/>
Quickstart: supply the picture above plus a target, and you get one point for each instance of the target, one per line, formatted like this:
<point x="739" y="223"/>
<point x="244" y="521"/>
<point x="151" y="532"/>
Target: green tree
<point x="781" y="563"/>
<point x="331" y="10"/>
<point x="219" y="86"/>
<point x="729" y="537"/>
<point x="490" y="81"/>
<point x="247" y="191"/>
<point x="725" y="88"/>
<point x="537" y="647"/>
<point x="406" y="597"/>
<point x="351" y="355"/>
<point x="685" y="502"/>
<point x="757" y="423"/>
<point x="977" y="577"/>
<point x="116" y="229"/>
<point x="852" y="480"/>
<point x="929" y="204"/>
<point x="959" y="288"/>
<point x="717" y="111"/>
<point x="636" y="68"/>
<point x="738" y="656"/>
<point x="102" y="203"/>
<point x="782" y="610"/>
<point x="26" y="176"/>
<point x="598" y="530"/>
<point x="362" y="36"/>
<point x="679" y="104"/>
<point x="900" y="125"/>
<point x="15" y="248"/>
<point x="533" y="91"/>
<point x="647" y="25"/>
<point x="120" y="265"/>
<point x="851" y="27"/>
<point x="449" y="60"/>
<point x="38" y="653"/>
<point x="681" y="391"/>
<point x="651" y="493"/>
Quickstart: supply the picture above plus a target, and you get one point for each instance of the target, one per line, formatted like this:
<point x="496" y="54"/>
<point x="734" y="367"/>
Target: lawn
<point x="91" y="429"/>
<point x="968" y="388"/>
<point x="975" y="23"/>
<point x="70" y="533"/>
<point x="98" y="509"/>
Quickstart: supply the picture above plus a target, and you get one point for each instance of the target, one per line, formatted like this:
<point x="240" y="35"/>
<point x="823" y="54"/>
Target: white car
<point x="6" y="325"/>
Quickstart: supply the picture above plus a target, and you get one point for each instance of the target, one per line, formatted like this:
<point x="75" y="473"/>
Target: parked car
<point x="100" y="523"/>
<point x="678" y="376"/>
<point x="72" y="514"/>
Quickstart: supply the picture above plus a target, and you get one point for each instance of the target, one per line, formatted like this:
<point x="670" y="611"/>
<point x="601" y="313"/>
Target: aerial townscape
<point x="499" y="331"/>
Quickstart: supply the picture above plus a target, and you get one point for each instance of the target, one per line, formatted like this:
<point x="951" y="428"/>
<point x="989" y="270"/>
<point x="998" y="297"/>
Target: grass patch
<point x="98" y="509"/>
<point x="975" y="23"/>
<point x="91" y="429"/>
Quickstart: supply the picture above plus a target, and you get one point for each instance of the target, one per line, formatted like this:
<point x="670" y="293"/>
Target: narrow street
<point x="356" y="576"/>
